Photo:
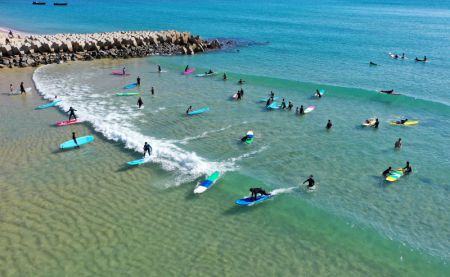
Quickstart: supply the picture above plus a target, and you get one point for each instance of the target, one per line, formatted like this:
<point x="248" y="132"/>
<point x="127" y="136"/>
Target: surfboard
<point x="235" y="96"/>
<point x="199" y="111"/>
<point x="273" y="105"/>
<point x="407" y="123"/>
<point x="394" y="176"/>
<point x="309" y="109"/>
<point x="206" y="74"/>
<point x="249" y="201"/>
<point x="207" y="183"/>
<point x="68" y="122"/>
<point x="81" y="141"/>
<point x="119" y="73"/>
<point x="265" y="99"/>
<point x="321" y="91"/>
<point x="136" y="162"/>
<point x="127" y="93"/>
<point x="370" y="124"/>
<point x="189" y="71"/>
<point x="133" y="85"/>
<point x="48" y="105"/>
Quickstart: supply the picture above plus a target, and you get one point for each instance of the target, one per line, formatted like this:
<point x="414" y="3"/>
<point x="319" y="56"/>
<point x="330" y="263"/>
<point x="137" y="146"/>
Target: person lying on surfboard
<point x="401" y="121"/>
<point x="387" y="91"/>
<point x="423" y="60"/>
<point x="147" y="149"/>
<point x="372" y="63"/>
<point x="310" y="181"/>
<point x="256" y="191"/>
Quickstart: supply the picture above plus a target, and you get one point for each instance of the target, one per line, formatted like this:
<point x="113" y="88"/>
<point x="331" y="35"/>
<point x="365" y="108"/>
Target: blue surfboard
<point x="265" y="99"/>
<point x="249" y="201"/>
<point x="48" y="105"/>
<point x="136" y="162"/>
<point x="273" y="106"/>
<point x="199" y="111"/>
<point x="81" y="140"/>
<point x="133" y="85"/>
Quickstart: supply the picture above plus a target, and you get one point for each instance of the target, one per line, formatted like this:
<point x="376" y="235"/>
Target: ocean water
<point x="352" y="224"/>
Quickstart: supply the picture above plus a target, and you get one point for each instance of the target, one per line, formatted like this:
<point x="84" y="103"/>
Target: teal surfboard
<point x="199" y="111"/>
<point x="127" y="93"/>
<point x="80" y="141"/>
<point x="207" y="183"/>
<point x="48" y="105"/>
<point x="130" y="86"/>
<point x="136" y="162"/>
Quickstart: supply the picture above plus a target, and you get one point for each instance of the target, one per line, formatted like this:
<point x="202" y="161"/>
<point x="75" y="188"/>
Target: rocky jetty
<point x="33" y="50"/>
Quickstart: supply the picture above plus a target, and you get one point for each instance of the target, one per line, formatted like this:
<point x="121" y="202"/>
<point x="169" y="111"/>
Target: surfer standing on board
<point x="147" y="149"/>
<point x="72" y="113"/>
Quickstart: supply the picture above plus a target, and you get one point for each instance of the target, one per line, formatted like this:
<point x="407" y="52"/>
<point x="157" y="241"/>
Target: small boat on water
<point x="39" y="3"/>
<point x="60" y="4"/>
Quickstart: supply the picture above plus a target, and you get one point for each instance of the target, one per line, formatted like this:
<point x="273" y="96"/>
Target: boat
<point x="60" y="4"/>
<point x="39" y="3"/>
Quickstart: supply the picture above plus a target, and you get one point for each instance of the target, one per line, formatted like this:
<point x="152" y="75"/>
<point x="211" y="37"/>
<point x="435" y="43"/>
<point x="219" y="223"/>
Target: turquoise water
<point x="311" y="45"/>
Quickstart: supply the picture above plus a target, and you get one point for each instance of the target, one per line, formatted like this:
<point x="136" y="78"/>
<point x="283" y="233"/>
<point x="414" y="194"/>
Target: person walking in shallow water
<point x="11" y="89"/>
<point x="147" y="149"/>
<point x="329" y="125"/>
<point x="140" y="103"/>
<point x="152" y="91"/>
<point x="398" y="143"/>
<point x="22" y="88"/>
<point x="138" y="81"/>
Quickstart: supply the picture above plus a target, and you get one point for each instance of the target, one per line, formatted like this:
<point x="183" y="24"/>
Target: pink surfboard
<point x="69" y="122"/>
<point x="310" y="109"/>
<point x="189" y="71"/>
<point x="119" y="73"/>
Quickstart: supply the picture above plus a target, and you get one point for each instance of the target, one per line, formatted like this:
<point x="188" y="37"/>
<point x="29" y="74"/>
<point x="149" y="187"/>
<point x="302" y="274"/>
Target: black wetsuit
<point x="329" y="125"/>
<point x="186" y="69"/>
<point x="302" y="111"/>
<point x="138" y="80"/>
<point x="407" y="169"/>
<point x="290" y="105"/>
<point x="387" y="171"/>
<point x="22" y="89"/>
<point x="153" y="91"/>
<point x="283" y="104"/>
<point x="375" y="125"/>
<point x="147" y="149"/>
<point x="256" y="191"/>
<point x="310" y="181"/>
<point x="387" y="91"/>
<point x="72" y="113"/>
<point x="268" y="102"/>
<point x="74" y="137"/>
<point x="140" y="102"/>
<point x="159" y="68"/>
<point x="188" y="110"/>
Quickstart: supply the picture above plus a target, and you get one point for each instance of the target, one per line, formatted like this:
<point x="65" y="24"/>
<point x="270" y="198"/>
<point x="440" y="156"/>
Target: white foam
<point x="283" y="190"/>
<point x="116" y="124"/>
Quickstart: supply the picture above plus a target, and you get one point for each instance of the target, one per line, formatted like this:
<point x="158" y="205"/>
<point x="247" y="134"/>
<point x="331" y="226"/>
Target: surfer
<point x="329" y="125"/>
<point x="310" y="181"/>
<point x="152" y="91"/>
<point x="22" y="88"/>
<point x="187" y="68"/>
<point x="71" y="112"/>
<point x="423" y="60"/>
<point x="375" y="125"/>
<point x="272" y="94"/>
<point x="387" y="91"/>
<point x="123" y="70"/>
<point x="403" y="56"/>
<point x="398" y="143"/>
<point x="210" y="72"/>
<point x="241" y="82"/>
<point x="147" y="149"/>
<point x="387" y="171"/>
<point x="403" y="121"/>
<point x="407" y="169"/>
<point x="74" y="137"/>
<point x="242" y="92"/>
<point x="11" y="89"/>
<point x="140" y="103"/>
<point x="189" y="109"/>
<point x="159" y="68"/>
<point x="283" y="104"/>
<point x="225" y="76"/>
<point x="290" y="105"/>
<point x="318" y="94"/>
<point x="138" y="81"/>
<point x="372" y="63"/>
<point x="269" y="101"/>
<point x="256" y="191"/>
<point x="301" y="111"/>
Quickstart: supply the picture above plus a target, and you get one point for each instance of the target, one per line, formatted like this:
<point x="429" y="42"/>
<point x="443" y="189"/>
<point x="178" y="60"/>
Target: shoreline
<point x="23" y="49"/>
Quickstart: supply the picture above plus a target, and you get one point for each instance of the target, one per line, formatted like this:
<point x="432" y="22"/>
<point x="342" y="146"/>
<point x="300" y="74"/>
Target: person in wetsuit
<point x="375" y="125"/>
<point x="290" y="105"/>
<point x="189" y="110"/>
<point x="301" y="111"/>
<point x="272" y="94"/>
<point x="123" y="71"/>
<point x="239" y="95"/>
<point x="387" y="91"/>
<point x="187" y="68"/>
<point x="318" y="94"/>
<point x="71" y="112"/>
<point x="329" y="125"/>
<point x="372" y="63"/>
<point x="310" y="181"/>
<point x="147" y="149"/>
<point x="11" y="89"/>
<point x="22" y="88"/>
<point x="242" y="92"/>
<point x="138" y="81"/>
<point x="225" y="76"/>
<point x="256" y="191"/>
<point x="241" y="81"/>
<point x="398" y="143"/>
<point x="74" y="137"/>
<point x="159" y="68"/>
<point x="210" y="71"/>
<point x="283" y="104"/>
<point x="140" y="103"/>
<point x="387" y="171"/>
<point x="152" y="91"/>
<point x="407" y="169"/>
<point x="401" y="121"/>
<point x="269" y="101"/>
